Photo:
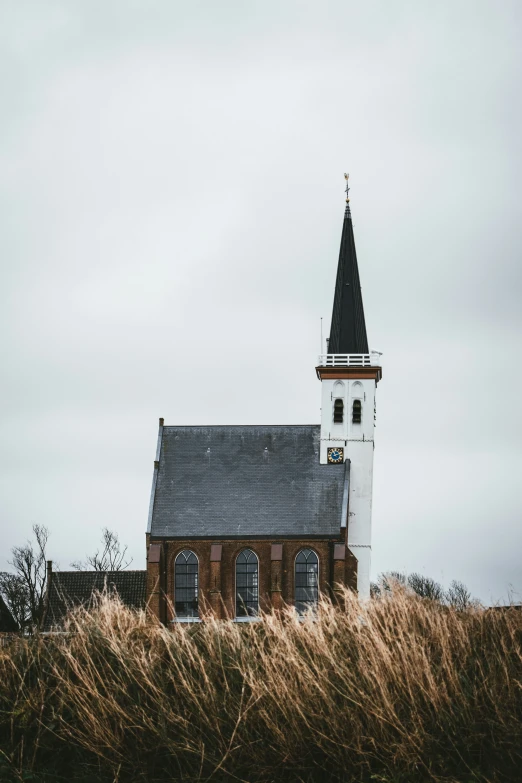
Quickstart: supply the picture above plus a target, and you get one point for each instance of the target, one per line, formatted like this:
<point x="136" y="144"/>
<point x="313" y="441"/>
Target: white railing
<point x="372" y="359"/>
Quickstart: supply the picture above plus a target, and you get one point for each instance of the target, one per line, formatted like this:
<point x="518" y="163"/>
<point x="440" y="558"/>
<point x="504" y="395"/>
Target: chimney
<point x="47" y="592"/>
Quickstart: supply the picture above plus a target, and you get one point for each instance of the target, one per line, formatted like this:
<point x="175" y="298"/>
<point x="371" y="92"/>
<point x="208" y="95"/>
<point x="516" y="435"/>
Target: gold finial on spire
<point x="347" y="188"/>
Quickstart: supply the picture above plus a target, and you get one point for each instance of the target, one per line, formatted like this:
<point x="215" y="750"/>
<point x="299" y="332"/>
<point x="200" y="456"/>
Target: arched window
<point x="186" y="584"/>
<point x="338" y="411"/>
<point x="247" y="584"/>
<point x="356" y="412"/>
<point x="306" y="580"/>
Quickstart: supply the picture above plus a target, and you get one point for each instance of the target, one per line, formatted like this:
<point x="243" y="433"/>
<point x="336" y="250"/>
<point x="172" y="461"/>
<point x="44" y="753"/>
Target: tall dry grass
<point x="399" y="689"/>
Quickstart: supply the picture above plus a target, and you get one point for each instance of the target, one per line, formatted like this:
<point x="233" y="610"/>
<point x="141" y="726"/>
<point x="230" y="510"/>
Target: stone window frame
<point x="183" y="618"/>
<point x="247" y="618"/>
<point x="318" y="585"/>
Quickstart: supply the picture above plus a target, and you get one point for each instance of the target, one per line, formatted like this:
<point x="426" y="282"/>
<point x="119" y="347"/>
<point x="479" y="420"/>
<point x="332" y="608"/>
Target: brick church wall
<point x="217" y="572"/>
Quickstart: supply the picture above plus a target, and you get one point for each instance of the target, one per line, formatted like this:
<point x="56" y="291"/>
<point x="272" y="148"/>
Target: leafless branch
<point x="459" y="597"/>
<point x="16" y="596"/>
<point x="110" y="557"/>
<point x="24" y="591"/>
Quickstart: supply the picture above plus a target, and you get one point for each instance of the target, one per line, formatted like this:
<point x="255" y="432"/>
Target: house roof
<point x="245" y="482"/>
<point x="76" y="588"/>
<point x="7" y="622"/>
<point x="348" y="328"/>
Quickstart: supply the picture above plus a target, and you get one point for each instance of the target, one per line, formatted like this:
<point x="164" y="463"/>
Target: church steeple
<point x="348" y="328"/>
<point x="349" y="374"/>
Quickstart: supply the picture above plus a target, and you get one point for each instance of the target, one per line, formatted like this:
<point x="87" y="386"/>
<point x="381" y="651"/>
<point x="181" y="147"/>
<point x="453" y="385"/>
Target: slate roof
<point x="348" y="328"/>
<point x="7" y="622"/>
<point x="75" y="588"/>
<point x="245" y="481"/>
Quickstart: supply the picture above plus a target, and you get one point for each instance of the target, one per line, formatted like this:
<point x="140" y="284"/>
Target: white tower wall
<point x="358" y="443"/>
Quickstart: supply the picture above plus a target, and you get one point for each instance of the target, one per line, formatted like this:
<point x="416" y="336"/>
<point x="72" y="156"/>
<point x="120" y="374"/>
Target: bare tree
<point x="388" y="581"/>
<point x="426" y="587"/>
<point x="459" y="597"/>
<point x="24" y="590"/>
<point x="423" y="586"/>
<point x="16" y="597"/>
<point x="375" y="589"/>
<point x="110" y="557"/>
<point x="395" y="576"/>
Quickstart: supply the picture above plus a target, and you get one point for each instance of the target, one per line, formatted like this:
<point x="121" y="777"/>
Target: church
<point x="244" y="519"/>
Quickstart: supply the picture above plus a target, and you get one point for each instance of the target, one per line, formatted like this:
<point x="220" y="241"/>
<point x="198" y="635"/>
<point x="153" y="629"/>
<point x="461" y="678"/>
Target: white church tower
<point x="349" y="374"/>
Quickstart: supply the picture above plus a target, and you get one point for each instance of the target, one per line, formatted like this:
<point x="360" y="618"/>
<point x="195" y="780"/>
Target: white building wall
<point x="358" y="443"/>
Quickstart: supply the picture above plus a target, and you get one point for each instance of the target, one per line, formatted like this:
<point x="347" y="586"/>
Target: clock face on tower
<point x="335" y="455"/>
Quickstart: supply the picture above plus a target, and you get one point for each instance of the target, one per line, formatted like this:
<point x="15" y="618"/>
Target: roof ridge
<point x="252" y="426"/>
<point x="121" y="571"/>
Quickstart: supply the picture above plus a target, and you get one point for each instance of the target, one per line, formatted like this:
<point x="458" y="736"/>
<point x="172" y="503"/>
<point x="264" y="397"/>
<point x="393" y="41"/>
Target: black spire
<point x="348" y="328"/>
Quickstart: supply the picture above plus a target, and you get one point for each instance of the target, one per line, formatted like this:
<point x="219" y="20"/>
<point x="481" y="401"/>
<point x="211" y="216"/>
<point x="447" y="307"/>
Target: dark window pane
<point x="306" y="580"/>
<point x="186" y="585"/>
<point x="247" y="592"/>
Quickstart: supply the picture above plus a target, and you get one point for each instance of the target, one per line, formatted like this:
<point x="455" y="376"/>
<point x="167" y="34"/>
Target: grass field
<point x="400" y="689"/>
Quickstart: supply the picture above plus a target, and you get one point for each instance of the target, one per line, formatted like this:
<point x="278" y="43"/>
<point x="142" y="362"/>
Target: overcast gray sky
<point x="172" y="203"/>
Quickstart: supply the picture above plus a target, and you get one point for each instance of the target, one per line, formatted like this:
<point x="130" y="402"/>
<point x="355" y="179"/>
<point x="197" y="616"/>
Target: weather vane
<point x="347" y="188"/>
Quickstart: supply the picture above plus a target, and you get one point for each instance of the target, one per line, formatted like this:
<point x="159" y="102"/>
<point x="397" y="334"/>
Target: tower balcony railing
<point x="372" y="359"/>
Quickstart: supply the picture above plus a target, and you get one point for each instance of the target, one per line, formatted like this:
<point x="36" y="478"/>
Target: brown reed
<point x="397" y="689"/>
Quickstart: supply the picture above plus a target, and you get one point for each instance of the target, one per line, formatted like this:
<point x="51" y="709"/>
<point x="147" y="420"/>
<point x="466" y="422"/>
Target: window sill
<point x="186" y="620"/>
<point x="247" y="619"/>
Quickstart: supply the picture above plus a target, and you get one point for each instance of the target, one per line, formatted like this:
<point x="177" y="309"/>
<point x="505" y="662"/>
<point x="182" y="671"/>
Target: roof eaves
<point x="249" y="537"/>
<point x="155" y="476"/>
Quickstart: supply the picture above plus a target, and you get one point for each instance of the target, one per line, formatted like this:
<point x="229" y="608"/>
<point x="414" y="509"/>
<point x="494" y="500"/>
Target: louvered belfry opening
<point x="356" y="412"/>
<point x="338" y="411"/>
<point x="348" y="327"/>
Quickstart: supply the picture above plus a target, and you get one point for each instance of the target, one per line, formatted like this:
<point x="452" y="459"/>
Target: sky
<point x="172" y="203"/>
